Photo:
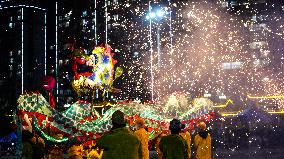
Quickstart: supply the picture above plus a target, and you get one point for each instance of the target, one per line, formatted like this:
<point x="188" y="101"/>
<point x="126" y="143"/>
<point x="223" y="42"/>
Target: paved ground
<point x="255" y="153"/>
<point x="269" y="153"/>
<point x="251" y="154"/>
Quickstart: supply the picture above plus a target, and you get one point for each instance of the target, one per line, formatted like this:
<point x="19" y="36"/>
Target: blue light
<point x="160" y="13"/>
<point x="156" y="15"/>
<point x="152" y="15"/>
<point x="147" y="17"/>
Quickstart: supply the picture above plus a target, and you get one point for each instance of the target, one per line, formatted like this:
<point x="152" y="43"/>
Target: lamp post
<point x="151" y="50"/>
<point x="154" y="15"/>
<point x="158" y="15"/>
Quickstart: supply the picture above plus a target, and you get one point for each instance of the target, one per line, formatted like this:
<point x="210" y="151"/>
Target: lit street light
<point x="158" y="15"/>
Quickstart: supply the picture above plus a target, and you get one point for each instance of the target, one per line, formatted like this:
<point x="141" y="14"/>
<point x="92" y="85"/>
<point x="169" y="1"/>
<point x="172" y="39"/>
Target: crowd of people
<point x="121" y="142"/>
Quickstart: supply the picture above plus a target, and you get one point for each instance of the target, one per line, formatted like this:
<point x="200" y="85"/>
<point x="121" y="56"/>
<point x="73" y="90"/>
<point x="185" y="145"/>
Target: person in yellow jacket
<point x="187" y="137"/>
<point x="76" y="152"/>
<point x="202" y="143"/>
<point x="93" y="153"/>
<point x="143" y="136"/>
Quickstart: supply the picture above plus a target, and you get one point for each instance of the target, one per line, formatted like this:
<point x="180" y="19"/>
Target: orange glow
<point x="265" y="97"/>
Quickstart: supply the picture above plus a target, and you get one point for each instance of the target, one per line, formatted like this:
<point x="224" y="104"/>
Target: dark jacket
<point x="120" y="143"/>
<point x="173" y="147"/>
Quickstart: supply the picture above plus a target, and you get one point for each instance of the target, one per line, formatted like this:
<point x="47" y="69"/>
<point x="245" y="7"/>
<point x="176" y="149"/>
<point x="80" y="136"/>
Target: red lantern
<point x="48" y="83"/>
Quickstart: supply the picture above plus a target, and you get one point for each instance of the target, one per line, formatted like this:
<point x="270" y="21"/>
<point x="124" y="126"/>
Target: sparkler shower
<point x="218" y="51"/>
<point x="75" y="72"/>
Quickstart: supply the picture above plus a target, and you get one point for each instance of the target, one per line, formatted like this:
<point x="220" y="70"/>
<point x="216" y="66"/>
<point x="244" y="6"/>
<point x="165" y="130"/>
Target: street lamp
<point x="152" y="15"/>
<point x="160" y="13"/>
<point x="157" y="15"/>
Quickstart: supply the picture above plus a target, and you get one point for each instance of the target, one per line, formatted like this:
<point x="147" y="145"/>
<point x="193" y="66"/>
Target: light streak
<point x="151" y="54"/>
<point x="22" y="72"/>
<point x="56" y="49"/>
<point x="266" y="97"/>
<point x="96" y="38"/>
<point x="229" y="101"/>
<point x="276" y="112"/>
<point x="45" y="43"/>
<point x="95" y="29"/>
<point x="106" y="23"/>
<point x="230" y="114"/>
<point x="101" y="106"/>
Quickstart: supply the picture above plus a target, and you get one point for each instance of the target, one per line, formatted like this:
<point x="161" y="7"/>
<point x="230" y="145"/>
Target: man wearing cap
<point x="120" y="142"/>
<point x="143" y="136"/>
<point x="174" y="146"/>
<point x="202" y="143"/>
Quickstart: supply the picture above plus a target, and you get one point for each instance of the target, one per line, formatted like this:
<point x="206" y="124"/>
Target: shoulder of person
<point x="135" y="133"/>
<point x="197" y="136"/>
<point x="104" y="137"/>
<point x="182" y="138"/>
<point x="163" y="138"/>
<point x="106" y="134"/>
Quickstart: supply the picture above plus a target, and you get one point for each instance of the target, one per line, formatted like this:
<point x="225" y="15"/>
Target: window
<point x="84" y="14"/>
<point x="259" y="27"/>
<point x="258" y="44"/>
<point x="67" y="24"/>
<point x="85" y="22"/>
<point x="253" y="18"/>
<point x="66" y="17"/>
<point x="115" y="17"/>
<point x="231" y="65"/>
<point x="11" y="60"/>
<point x="224" y="4"/>
<point x="226" y="66"/>
<point x="135" y="54"/>
<point x="263" y="17"/>
<point x="11" y="67"/>
<point x="11" y="25"/>
<point x="60" y="62"/>
<point x="233" y="3"/>
<point x="108" y="26"/>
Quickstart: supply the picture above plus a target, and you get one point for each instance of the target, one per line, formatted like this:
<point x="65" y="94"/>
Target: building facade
<point x="23" y="47"/>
